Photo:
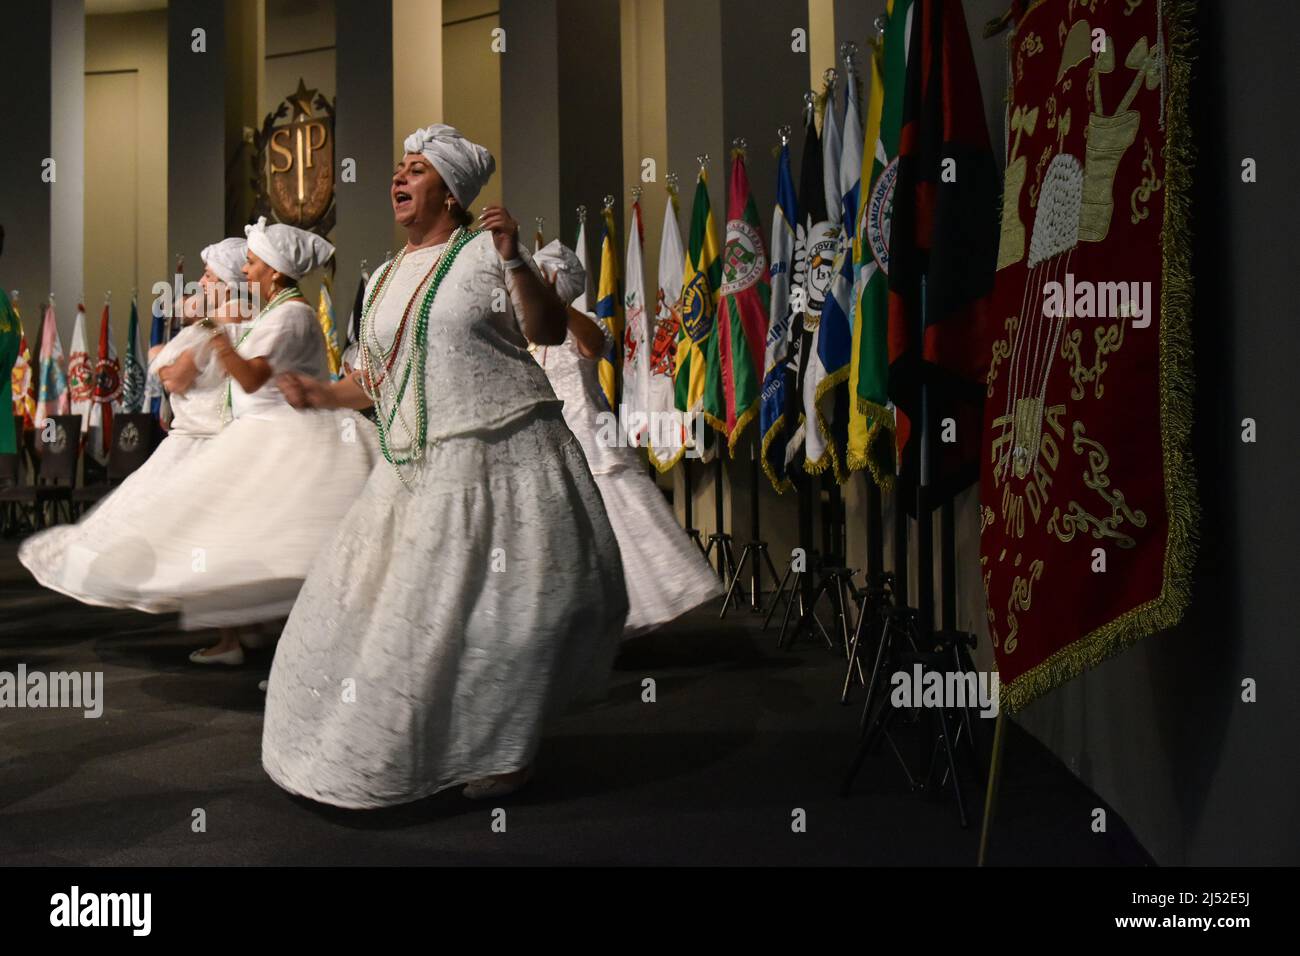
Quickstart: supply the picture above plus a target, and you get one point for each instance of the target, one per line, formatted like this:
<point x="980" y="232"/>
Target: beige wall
<point x="821" y="40"/>
<point x="299" y="44"/>
<point x="645" y="126"/>
<point x="417" y="73"/>
<point x="126" y="166"/>
<point x="471" y="84"/>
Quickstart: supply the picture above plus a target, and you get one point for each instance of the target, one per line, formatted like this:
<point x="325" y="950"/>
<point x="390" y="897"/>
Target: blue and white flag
<point x="772" y="423"/>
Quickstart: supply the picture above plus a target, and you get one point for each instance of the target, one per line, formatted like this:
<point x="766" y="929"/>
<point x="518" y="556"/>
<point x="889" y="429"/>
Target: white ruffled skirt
<point x="665" y="571"/>
<point x="228" y="539"/>
<point x="445" y="622"/>
<point x="124" y="512"/>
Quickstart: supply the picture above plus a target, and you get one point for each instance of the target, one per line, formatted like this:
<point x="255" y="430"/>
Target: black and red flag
<point x="943" y="247"/>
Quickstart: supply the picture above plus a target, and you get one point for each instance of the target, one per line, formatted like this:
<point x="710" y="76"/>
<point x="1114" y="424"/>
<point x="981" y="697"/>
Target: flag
<point x="107" y="392"/>
<point x="664" y="448"/>
<point x="609" y="311"/>
<point x="53" y="396"/>
<point x="24" y="386"/>
<point x="325" y="316"/>
<point x="943" y="244"/>
<point x="743" y="300"/>
<point x="348" y="358"/>
<point x="155" y="399"/>
<point x="814" y="245"/>
<point x="11" y="335"/>
<point x="1088" y="488"/>
<point x="701" y="279"/>
<point x="817" y="451"/>
<point x="636" y="355"/>
<point x="81" y="373"/>
<point x="134" y="374"/>
<point x="871" y="420"/>
<point x="835" y="333"/>
<point x="580" y="247"/>
<point x="781" y="322"/>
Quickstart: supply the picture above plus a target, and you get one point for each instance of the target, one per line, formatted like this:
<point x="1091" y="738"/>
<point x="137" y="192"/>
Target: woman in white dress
<point x="476" y="586"/>
<point x="229" y="540"/>
<point x="57" y="557"/>
<point x="665" y="572"/>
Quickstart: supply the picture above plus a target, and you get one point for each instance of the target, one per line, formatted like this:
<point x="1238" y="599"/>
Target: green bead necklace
<point x="413" y="367"/>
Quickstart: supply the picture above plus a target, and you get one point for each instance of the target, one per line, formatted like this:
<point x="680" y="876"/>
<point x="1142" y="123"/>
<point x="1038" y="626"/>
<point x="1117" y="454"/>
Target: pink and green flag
<point x="736" y="377"/>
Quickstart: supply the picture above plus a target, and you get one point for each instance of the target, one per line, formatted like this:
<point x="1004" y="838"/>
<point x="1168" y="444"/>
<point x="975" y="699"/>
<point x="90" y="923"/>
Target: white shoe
<point x="491" y="787"/>
<point x="230" y="658"/>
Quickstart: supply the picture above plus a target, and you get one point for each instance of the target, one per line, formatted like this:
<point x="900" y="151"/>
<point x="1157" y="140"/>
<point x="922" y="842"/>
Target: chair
<point x="58" y="440"/>
<point x="16" y="491"/>
<point x="135" y="436"/>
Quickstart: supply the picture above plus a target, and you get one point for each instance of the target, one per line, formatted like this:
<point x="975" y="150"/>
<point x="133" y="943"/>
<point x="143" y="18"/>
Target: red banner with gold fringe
<point x="1088" y="510"/>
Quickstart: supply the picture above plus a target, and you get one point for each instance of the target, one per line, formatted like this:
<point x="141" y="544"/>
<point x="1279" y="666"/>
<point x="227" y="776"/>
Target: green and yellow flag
<point x="609" y="310"/>
<point x="871" y="421"/>
<point x="325" y="316"/>
<point x="701" y="280"/>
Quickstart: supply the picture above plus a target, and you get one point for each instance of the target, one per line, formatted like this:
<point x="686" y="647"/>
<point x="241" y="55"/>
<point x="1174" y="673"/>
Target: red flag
<point x="108" y="388"/>
<point x="742" y="311"/>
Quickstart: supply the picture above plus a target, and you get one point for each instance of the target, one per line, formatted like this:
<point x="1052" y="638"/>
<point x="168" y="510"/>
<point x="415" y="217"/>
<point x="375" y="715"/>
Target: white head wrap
<point x="464" y="166"/>
<point x="288" y="250"/>
<point x="226" y="259"/>
<point x="557" y="259"/>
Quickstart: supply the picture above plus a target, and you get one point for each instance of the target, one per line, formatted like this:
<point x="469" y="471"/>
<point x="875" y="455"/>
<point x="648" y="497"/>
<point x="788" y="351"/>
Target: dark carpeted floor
<point x="740" y="736"/>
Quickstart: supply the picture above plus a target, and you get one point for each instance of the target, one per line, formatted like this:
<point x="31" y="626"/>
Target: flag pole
<point x="756" y="550"/>
<point x="726" y="563"/>
<point x="688" y="511"/>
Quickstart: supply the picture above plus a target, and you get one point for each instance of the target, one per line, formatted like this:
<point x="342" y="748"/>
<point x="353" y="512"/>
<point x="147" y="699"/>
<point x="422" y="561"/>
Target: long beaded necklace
<point x="373" y="355"/>
<point x="284" y="295"/>
<point x="372" y="346"/>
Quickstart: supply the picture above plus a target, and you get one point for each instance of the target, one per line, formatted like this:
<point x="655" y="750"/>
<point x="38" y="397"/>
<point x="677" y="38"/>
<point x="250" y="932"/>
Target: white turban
<point x="226" y="260"/>
<point x="464" y="166"/>
<point x="557" y="259"/>
<point x="288" y="250"/>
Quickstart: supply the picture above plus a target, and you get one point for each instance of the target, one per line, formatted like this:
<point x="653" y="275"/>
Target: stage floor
<point x="740" y="736"/>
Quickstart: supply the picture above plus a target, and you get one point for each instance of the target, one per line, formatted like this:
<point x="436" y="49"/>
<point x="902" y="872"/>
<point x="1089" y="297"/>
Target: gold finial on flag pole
<point x="609" y="201"/>
<point x="582" y="213"/>
<point x="636" y="193"/>
<point x="702" y="159"/>
<point x="784" y="133"/>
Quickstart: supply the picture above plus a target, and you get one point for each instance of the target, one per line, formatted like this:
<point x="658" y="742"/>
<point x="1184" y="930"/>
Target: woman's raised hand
<point x="504" y="229"/>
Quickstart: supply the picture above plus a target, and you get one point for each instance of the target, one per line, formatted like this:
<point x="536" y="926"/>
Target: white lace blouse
<point x="478" y="372"/>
